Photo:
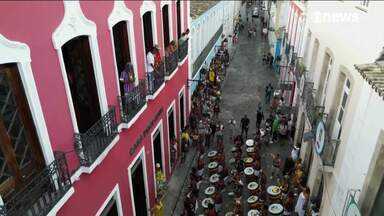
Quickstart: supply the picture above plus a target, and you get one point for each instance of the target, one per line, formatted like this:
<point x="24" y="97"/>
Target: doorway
<point x="138" y="188"/>
<point x="157" y="149"/>
<point x="110" y="209"/>
<point x="21" y="158"/>
<point x="165" y="13"/>
<point x="122" y="55"/>
<point x="178" y="19"/>
<point x="171" y="134"/>
<point x="148" y="31"/>
<point x="182" y="111"/>
<point x="81" y="78"/>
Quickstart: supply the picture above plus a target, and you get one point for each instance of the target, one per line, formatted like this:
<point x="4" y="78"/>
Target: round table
<point x="273" y="190"/>
<point x="249" y="176"/>
<point x="212" y="166"/>
<point x="248" y="171"/>
<point x="210" y="190"/>
<point x="212" y="156"/>
<point x="250" y="142"/>
<point x="214" y="178"/>
<point x="230" y="214"/>
<point x="253" y="212"/>
<point x="205" y="202"/>
<point x="248" y="161"/>
<point x="275" y="209"/>
<point x="250" y="149"/>
<point x="252" y="186"/>
<point x="252" y="199"/>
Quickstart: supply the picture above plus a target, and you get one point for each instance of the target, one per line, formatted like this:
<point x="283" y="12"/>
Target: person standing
<point x="302" y="202"/>
<point x="275" y="127"/>
<point x="245" y="126"/>
<point x="259" y="117"/>
<point x="276" y="165"/>
<point x="268" y="93"/>
<point x="150" y="68"/>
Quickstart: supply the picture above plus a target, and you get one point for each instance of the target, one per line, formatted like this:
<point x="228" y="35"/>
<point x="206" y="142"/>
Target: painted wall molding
<point x="75" y="24"/>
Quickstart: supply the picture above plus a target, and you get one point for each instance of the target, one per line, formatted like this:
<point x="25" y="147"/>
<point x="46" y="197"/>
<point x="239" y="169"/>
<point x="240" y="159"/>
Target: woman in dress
<point x="302" y="202"/>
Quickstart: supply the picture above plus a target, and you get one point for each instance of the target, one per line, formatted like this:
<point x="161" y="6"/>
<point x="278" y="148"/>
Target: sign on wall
<point x="320" y="138"/>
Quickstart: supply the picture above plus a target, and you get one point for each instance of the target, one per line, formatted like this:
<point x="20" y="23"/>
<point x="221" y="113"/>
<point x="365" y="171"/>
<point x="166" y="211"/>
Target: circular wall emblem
<point x="320" y="137"/>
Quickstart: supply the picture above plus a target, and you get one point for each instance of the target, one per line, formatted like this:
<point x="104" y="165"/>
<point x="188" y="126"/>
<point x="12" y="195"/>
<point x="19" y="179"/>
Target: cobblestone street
<point x="243" y="92"/>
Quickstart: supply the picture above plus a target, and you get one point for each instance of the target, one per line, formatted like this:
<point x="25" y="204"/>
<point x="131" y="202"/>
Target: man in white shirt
<point x="150" y="68"/>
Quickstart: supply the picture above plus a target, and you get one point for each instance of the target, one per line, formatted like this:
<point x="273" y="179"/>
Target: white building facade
<point x="207" y="31"/>
<point x="339" y="89"/>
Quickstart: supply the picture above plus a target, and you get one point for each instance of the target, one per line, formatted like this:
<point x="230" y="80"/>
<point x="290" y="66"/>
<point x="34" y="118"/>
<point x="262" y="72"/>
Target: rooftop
<point x="198" y="7"/>
<point x="373" y="73"/>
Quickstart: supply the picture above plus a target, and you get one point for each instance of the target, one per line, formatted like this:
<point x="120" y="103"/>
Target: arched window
<point x="76" y="37"/>
<point x="25" y="146"/>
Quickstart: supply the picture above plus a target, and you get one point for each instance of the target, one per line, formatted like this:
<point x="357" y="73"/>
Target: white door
<point x="341" y="110"/>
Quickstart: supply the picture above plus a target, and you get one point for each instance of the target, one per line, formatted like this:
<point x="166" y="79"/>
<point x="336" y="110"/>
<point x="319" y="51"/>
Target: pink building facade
<point x="108" y="130"/>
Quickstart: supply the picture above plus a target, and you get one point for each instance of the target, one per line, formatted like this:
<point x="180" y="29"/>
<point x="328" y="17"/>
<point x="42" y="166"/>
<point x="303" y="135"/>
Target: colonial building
<point x="340" y="118"/>
<point x="82" y="126"/>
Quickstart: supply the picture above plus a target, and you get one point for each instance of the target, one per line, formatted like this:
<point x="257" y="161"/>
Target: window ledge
<point x="182" y="62"/>
<point x="172" y="74"/>
<point x="152" y="97"/>
<point x="76" y="176"/>
<point x="61" y="202"/>
<point x="133" y="120"/>
<point x="362" y="8"/>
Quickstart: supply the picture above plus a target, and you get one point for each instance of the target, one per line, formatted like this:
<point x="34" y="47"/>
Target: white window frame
<point x="115" y="194"/>
<point x="141" y="156"/>
<point x="159" y="127"/>
<point x="170" y="20"/>
<point x="19" y="53"/>
<point x="75" y="24"/>
<point x="182" y="93"/>
<point x="329" y="71"/>
<point x="148" y="6"/>
<point x="338" y="124"/>
<point x="121" y="13"/>
<point x="173" y="107"/>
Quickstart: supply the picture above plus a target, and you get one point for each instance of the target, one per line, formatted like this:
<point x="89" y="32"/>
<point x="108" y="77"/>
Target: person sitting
<point x="211" y="210"/>
<point x="289" y="204"/>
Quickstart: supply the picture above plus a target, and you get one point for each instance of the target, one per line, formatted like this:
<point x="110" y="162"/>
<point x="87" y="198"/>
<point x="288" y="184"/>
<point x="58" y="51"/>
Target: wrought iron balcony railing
<point x="171" y="63"/>
<point x="314" y="113"/>
<point x="133" y="101"/>
<point x="156" y="79"/>
<point x="42" y="193"/>
<point x="91" y="144"/>
<point x="183" y="50"/>
<point x="329" y="153"/>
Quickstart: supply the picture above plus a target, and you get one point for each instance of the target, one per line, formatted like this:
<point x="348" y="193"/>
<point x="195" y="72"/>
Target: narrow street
<point x="243" y="92"/>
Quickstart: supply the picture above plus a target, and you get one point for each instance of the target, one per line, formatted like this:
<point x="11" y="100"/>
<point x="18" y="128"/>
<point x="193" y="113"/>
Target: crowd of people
<point x="243" y="176"/>
<point x="154" y="60"/>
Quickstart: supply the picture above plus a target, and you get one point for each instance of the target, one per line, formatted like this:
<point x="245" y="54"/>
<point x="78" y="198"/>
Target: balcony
<point x="40" y="195"/>
<point x="133" y="102"/>
<point x="171" y="63"/>
<point x="329" y="154"/>
<point x="314" y="113"/>
<point x="91" y="144"/>
<point x="157" y="80"/>
<point x="183" y="50"/>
